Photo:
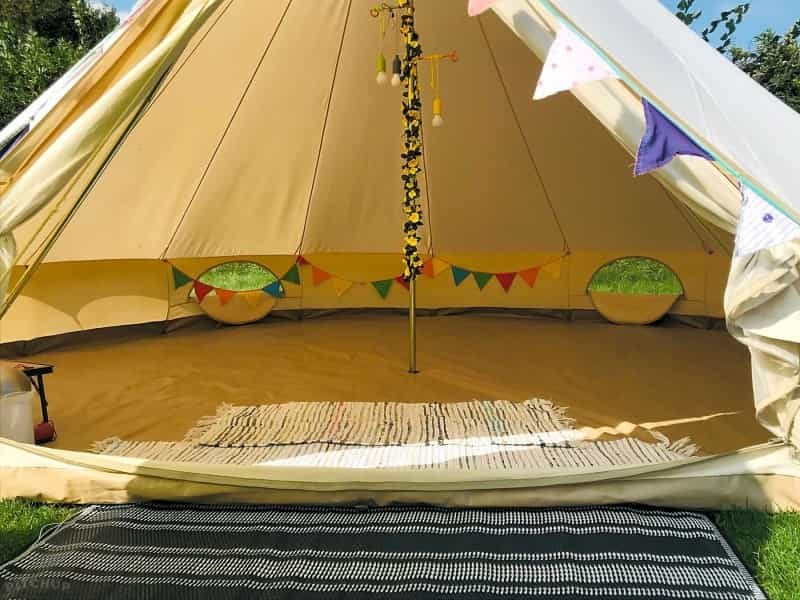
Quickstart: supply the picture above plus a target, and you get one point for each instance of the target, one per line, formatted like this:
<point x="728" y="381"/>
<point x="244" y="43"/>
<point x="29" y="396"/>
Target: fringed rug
<point x="367" y="553"/>
<point x="476" y="435"/>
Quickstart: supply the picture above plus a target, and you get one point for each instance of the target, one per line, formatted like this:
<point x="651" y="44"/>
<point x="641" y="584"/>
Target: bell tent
<point x="207" y="132"/>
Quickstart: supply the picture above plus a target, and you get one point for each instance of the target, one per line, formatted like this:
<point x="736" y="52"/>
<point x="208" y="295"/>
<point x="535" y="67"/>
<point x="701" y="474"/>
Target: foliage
<point x="769" y="544"/>
<point x="238" y="276"/>
<point x="728" y="19"/>
<point x="774" y="62"/>
<point x="22" y="520"/>
<point x="39" y="41"/>
<point x="635" y="275"/>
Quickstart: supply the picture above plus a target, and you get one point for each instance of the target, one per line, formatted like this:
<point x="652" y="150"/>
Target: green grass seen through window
<point x="238" y="276"/>
<point x="636" y="275"/>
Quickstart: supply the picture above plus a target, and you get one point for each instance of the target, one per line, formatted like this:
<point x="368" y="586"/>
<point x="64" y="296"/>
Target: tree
<point x="774" y="62"/>
<point x="728" y="19"/>
<point x="39" y="41"/>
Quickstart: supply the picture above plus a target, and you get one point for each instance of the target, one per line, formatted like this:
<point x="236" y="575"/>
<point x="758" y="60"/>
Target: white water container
<point x="16" y="397"/>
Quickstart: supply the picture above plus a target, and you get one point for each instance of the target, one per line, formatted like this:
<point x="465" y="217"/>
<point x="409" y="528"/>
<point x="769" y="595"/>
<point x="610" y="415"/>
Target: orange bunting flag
<point x="318" y="275"/>
<point x="505" y="280"/>
<point x="225" y="296"/>
<point x="201" y="290"/>
<point x="401" y="281"/>
<point x="427" y="268"/>
<point x="253" y="297"/>
<point x="341" y="286"/>
<point x="529" y="276"/>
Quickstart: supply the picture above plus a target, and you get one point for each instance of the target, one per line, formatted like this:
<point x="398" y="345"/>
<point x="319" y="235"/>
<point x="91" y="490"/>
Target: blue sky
<point x="778" y="14"/>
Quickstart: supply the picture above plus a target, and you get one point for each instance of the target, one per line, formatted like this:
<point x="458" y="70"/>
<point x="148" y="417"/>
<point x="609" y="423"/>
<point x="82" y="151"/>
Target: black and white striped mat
<point x="285" y="552"/>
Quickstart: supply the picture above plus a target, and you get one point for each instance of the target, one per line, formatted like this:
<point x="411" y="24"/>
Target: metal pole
<point x="412" y="326"/>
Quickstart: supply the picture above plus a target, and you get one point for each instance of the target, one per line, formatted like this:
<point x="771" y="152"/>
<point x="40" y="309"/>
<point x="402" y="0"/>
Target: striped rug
<point x="477" y="435"/>
<point x="365" y="553"/>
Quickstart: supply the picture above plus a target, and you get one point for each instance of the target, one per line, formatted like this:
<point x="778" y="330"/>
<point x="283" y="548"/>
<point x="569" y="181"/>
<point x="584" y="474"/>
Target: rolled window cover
<point x="762" y="297"/>
<point x="69" y="163"/>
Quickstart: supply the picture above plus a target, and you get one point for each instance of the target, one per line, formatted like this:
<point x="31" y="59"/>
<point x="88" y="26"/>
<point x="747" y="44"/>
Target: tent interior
<point x="269" y="140"/>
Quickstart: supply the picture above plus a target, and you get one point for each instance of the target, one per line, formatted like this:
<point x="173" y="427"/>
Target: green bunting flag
<point x="383" y="287"/>
<point x="180" y="278"/>
<point x="292" y="275"/>
<point x="482" y="279"/>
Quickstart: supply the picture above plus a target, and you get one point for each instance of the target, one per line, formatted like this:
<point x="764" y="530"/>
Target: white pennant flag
<point x="569" y="63"/>
<point x="761" y="225"/>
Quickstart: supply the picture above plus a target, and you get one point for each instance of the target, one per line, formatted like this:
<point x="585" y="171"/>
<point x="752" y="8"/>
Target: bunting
<point x="224" y="296"/>
<point x="662" y="141"/>
<point x="253" y="297"/>
<point x="761" y="225"/>
<point x="201" y="290"/>
<point x="432" y="267"/>
<point x="569" y="63"/>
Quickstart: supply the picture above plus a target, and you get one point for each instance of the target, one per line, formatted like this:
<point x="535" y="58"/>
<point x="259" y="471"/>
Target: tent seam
<point x="227" y="129"/>
<point x="324" y="129"/>
<point x="535" y="166"/>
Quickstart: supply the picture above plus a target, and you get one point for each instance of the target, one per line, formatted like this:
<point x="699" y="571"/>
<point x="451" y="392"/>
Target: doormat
<point x="192" y="552"/>
<point x="477" y="435"/>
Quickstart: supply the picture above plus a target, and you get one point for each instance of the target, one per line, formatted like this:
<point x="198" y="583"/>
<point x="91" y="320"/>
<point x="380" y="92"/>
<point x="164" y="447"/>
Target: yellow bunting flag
<point x="552" y="269"/>
<point x="253" y="297"/>
<point x="225" y="296"/>
<point x="318" y="275"/>
<point x="341" y="286"/>
<point x="439" y="266"/>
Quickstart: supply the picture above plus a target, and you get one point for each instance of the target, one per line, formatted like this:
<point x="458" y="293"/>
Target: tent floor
<point x="679" y="380"/>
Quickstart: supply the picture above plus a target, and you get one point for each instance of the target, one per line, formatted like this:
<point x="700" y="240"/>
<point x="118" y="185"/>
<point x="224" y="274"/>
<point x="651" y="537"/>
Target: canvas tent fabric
<point x="267" y="139"/>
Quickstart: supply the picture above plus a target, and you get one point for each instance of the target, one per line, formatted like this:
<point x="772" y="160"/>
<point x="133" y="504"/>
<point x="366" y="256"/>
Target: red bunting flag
<point x="302" y="261"/>
<point x="505" y="280"/>
<point x="401" y="281"/>
<point x="318" y="275"/>
<point x="201" y="290"/>
<point x="529" y="275"/>
<point x="225" y="296"/>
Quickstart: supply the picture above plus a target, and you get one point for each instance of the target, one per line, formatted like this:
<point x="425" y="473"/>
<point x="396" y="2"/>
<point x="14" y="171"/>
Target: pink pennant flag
<point x="476" y="7"/>
<point x="570" y="62"/>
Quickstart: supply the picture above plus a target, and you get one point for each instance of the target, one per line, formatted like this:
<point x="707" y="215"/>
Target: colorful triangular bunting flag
<point x="401" y="280"/>
<point x="292" y="275"/>
<point x="318" y="275"/>
<point x="570" y="62"/>
<point x="274" y="289"/>
<point x="662" y="141"/>
<point x="482" y="279"/>
<point x="383" y="287"/>
<point x="529" y="276"/>
<point x="301" y="261"/>
<point x="224" y="296"/>
<point x="427" y="268"/>
<point x="505" y="280"/>
<point x="253" y="297"/>
<point x="476" y="7"/>
<point x="439" y="266"/>
<point x="761" y="225"/>
<point x="201" y="290"/>
<point x="459" y="275"/>
<point x="552" y="269"/>
<point x="180" y="278"/>
<point x="341" y="285"/>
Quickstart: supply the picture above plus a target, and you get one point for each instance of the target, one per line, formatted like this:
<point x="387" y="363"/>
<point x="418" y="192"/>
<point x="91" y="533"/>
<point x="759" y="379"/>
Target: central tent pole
<point x="412" y="326"/>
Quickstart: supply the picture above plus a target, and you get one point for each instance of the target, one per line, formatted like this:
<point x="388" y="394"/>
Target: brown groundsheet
<point x="157" y="387"/>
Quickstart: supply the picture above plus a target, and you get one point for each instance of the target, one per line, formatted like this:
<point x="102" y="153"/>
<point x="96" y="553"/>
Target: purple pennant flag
<point x="662" y="141"/>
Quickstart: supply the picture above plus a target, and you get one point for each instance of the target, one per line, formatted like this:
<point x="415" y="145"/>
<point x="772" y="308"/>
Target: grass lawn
<point x="769" y="544"/>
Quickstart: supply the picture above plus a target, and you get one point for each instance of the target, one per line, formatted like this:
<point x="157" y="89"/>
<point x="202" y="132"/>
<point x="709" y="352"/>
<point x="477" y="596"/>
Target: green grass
<point x="636" y="276"/>
<point x="22" y="520"/>
<point x="768" y="544"/>
<point x="238" y="276"/>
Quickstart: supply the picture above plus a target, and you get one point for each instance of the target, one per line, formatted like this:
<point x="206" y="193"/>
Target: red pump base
<point x="44" y="432"/>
